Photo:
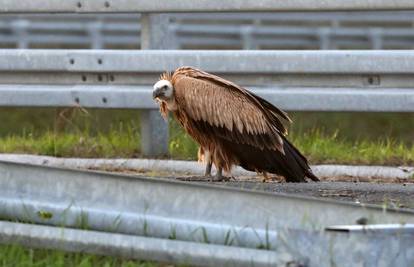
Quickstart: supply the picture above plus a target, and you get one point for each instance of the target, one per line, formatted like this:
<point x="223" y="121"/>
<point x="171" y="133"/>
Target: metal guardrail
<point x="150" y="211"/>
<point x="140" y="97"/>
<point x="139" y="247"/>
<point x="237" y="61"/>
<point x="351" y="30"/>
<point x="296" y="248"/>
<point x="160" y="6"/>
<point x="224" y="37"/>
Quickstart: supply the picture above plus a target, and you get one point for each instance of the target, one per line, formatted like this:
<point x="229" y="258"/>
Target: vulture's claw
<point x="221" y="178"/>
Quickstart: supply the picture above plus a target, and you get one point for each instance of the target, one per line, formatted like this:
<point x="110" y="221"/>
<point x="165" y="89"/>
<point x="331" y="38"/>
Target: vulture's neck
<point x="171" y="104"/>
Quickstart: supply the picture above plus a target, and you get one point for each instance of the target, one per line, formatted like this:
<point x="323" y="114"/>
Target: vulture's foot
<point x="265" y="177"/>
<point x="219" y="177"/>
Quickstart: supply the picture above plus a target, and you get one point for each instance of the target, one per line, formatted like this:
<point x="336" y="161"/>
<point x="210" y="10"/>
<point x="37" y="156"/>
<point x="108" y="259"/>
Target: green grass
<point x="354" y="126"/>
<point x="348" y="138"/>
<point x="18" y="256"/>
<point x="350" y="126"/>
<point x="123" y="140"/>
<point x="115" y="143"/>
<point x="323" y="148"/>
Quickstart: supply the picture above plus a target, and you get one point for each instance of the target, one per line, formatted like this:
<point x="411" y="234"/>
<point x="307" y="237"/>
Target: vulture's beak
<point x="157" y="93"/>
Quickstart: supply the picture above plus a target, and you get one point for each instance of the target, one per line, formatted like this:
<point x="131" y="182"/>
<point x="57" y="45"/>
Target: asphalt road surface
<point x="395" y="193"/>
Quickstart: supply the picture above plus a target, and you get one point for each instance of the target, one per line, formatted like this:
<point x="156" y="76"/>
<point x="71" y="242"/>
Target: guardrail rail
<point x="315" y="30"/>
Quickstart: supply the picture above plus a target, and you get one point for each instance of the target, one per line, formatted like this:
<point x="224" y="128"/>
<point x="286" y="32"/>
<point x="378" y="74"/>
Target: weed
<point x="82" y="221"/>
<point x="228" y="240"/>
<point x="16" y="255"/>
<point x="173" y="234"/>
<point x="44" y="215"/>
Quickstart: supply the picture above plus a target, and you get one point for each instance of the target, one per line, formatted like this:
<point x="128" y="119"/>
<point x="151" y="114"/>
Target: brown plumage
<point x="234" y="125"/>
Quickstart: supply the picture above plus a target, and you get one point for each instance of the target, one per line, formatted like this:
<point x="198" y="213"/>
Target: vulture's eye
<point x="165" y="87"/>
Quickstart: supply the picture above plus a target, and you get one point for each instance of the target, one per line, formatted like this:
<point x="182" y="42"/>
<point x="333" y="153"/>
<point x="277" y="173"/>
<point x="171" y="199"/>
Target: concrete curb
<point x="192" y="167"/>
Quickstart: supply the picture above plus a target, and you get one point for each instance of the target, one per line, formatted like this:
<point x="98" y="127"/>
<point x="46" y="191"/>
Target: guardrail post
<point x="95" y="34"/>
<point x="375" y="36"/>
<point x="248" y="42"/>
<point x="324" y="38"/>
<point x="20" y="29"/>
<point x="154" y="130"/>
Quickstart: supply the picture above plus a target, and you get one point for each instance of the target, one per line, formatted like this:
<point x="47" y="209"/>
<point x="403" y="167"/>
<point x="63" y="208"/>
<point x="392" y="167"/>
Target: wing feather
<point x="223" y="104"/>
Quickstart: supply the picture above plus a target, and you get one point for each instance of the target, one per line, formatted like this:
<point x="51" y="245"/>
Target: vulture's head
<point x="163" y="90"/>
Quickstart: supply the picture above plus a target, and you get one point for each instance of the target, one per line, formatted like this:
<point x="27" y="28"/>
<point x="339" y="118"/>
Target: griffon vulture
<point x="232" y="125"/>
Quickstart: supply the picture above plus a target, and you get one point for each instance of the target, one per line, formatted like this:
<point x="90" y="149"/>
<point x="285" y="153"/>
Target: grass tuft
<point x="16" y="255"/>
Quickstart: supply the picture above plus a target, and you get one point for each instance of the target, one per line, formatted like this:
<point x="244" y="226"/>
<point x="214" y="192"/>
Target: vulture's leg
<point x="219" y="174"/>
<point x="208" y="169"/>
<point x="209" y="163"/>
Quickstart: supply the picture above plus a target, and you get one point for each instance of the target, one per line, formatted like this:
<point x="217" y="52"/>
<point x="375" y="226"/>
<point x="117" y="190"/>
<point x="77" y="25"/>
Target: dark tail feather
<point x="292" y="164"/>
<point x="311" y="175"/>
<point x="293" y="154"/>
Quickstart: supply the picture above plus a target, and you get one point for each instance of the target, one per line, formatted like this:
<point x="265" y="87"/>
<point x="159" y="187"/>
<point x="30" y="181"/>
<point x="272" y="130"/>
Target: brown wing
<point x="222" y="104"/>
